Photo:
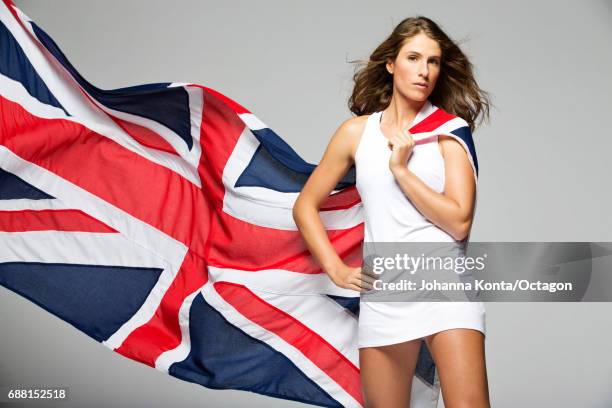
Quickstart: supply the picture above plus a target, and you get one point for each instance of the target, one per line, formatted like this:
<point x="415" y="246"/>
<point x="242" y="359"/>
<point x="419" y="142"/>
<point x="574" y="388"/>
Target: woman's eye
<point x="412" y="58"/>
<point x="435" y="62"/>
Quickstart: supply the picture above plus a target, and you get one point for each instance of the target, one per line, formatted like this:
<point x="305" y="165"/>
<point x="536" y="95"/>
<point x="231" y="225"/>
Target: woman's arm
<point x="452" y="210"/>
<point x="337" y="160"/>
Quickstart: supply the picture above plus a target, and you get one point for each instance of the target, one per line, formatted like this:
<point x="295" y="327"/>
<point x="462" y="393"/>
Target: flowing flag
<point x="157" y="219"/>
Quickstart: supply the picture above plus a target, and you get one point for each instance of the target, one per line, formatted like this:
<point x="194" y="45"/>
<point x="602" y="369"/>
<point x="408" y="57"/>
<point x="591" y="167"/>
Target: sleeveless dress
<point x="391" y="217"/>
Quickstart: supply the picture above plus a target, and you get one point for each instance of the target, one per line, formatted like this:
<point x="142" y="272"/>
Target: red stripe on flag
<point x="221" y="128"/>
<point x="150" y="192"/>
<point x="233" y="105"/>
<point x="9" y="4"/>
<point x="311" y="344"/>
<point x="245" y="246"/>
<point x="432" y="122"/>
<point x="50" y="220"/>
<point x="162" y="332"/>
<point x="342" y="200"/>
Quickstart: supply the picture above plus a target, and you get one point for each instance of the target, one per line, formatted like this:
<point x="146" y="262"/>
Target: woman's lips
<point x="421" y="85"/>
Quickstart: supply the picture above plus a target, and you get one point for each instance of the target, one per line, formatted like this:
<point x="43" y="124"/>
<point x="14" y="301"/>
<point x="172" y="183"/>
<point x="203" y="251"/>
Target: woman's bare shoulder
<point x="349" y="134"/>
<point x="353" y="127"/>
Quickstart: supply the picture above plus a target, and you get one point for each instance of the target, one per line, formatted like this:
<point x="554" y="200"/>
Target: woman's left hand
<point x="401" y="145"/>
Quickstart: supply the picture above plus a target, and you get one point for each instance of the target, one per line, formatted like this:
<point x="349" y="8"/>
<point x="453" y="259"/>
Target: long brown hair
<point x="456" y="90"/>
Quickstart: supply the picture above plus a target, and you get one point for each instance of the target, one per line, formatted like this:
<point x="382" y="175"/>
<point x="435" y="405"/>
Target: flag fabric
<point x="157" y="219"/>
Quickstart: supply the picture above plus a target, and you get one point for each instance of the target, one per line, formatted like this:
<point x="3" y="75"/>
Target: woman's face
<point x="416" y="68"/>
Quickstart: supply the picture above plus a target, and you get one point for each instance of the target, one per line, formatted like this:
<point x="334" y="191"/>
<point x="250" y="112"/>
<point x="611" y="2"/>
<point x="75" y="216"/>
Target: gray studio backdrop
<point x="544" y="161"/>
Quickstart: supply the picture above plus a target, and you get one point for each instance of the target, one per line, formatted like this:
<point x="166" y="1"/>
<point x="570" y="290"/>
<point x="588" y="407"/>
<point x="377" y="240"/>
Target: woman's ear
<point x="390" y="66"/>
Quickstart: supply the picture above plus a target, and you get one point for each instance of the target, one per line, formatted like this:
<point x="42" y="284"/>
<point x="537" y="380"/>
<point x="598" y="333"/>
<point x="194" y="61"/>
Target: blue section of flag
<point x="275" y="165"/>
<point x="168" y="106"/>
<point x="265" y="171"/>
<point x="15" y="65"/>
<point x="14" y="188"/>
<point x="282" y="151"/>
<point x="426" y="368"/>
<point x="466" y="135"/>
<point x="349" y="303"/>
<point x="95" y="299"/>
<point x="223" y="356"/>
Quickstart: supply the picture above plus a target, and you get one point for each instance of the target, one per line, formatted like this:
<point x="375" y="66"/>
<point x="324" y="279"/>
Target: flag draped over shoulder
<point x="157" y="219"/>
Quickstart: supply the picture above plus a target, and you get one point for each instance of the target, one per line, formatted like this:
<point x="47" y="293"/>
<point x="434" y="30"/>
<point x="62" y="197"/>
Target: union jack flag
<point x="157" y="219"/>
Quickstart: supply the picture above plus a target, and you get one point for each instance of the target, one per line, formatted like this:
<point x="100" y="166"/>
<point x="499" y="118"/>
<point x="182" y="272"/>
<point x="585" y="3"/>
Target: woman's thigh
<point x="459" y="355"/>
<point x="386" y="373"/>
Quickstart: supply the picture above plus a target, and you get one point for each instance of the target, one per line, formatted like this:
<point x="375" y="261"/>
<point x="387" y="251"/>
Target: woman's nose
<point x="424" y="70"/>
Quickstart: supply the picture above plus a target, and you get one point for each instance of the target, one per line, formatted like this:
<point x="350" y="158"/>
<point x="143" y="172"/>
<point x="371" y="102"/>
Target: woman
<point x="403" y="185"/>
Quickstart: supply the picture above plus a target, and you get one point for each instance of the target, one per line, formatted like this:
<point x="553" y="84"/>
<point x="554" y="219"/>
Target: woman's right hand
<point x="348" y="277"/>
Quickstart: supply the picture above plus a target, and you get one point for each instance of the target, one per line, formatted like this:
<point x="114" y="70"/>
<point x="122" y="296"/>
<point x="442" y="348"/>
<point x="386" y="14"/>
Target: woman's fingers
<point x="396" y="142"/>
<point x="368" y="278"/>
<point x="403" y="138"/>
<point x="362" y="280"/>
<point x="361" y="283"/>
<point x="406" y="136"/>
<point x="368" y="271"/>
<point x="363" y="286"/>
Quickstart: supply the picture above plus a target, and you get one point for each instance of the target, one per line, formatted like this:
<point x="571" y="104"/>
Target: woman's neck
<point x="401" y="112"/>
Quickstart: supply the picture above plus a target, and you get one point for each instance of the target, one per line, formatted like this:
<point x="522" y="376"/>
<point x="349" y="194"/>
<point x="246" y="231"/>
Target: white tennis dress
<point x="391" y="217"/>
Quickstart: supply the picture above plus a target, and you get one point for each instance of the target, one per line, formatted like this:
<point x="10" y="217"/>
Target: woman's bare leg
<point x="386" y="374"/>
<point x="459" y="355"/>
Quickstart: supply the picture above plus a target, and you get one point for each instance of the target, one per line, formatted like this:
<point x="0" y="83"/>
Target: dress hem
<point x="428" y="333"/>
